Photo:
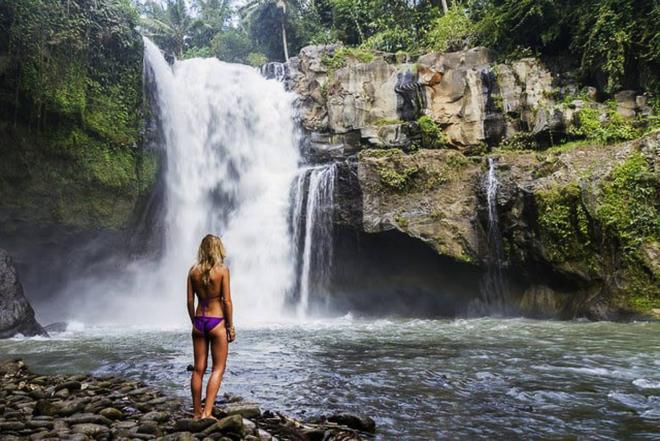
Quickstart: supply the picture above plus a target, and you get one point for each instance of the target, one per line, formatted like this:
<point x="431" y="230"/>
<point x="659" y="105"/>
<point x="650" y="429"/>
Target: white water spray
<point x="231" y="156"/>
<point x="231" y="152"/>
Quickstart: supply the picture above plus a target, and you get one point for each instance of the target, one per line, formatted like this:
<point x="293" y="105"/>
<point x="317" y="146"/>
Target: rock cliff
<point x="578" y="225"/>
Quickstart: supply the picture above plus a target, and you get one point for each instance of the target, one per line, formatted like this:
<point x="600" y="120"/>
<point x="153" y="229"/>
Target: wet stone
<point x="245" y="410"/>
<point x="191" y="425"/>
<point x="38" y="424"/>
<point x="11" y="425"/>
<point x="357" y="422"/>
<point x="233" y="423"/>
<point x="111" y="413"/>
<point x="82" y="418"/>
<point x="249" y="426"/>
<point x="264" y="436"/>
<point x="179" y="436"/>
<point x="62" y="393"/>
<point x="90" y="429"/>
<point x="126" y="425"/>
<point x="149" y="427"/>
<point x="70" y="385"/>
<point x="156" y="416"/>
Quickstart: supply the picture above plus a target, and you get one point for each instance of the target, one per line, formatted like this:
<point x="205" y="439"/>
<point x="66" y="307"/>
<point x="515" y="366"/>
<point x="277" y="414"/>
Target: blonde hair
<point x="211" y="252"/>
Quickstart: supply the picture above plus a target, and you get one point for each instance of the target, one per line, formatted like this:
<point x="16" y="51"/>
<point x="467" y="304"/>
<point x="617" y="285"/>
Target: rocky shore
<point x="85" y="407"/>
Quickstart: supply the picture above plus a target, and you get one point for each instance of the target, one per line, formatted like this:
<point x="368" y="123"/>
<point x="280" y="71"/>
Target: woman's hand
<point x="231" y="334"/>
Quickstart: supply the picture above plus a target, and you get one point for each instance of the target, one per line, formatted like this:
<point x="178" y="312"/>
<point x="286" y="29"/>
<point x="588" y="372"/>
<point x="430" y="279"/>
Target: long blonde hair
<point x="211" y="252"/>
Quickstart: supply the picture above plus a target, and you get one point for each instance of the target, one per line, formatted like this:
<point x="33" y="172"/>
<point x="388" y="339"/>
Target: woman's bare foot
<point x="209" y="417"/>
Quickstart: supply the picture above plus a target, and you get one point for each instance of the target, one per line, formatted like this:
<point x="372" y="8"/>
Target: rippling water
<point x="419" y="379"/>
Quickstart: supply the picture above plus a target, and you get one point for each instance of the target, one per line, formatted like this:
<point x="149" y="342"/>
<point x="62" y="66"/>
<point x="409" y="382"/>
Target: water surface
<point x="419" y="379"/>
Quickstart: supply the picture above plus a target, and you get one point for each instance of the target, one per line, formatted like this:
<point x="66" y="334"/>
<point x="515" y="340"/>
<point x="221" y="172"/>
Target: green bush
<point x="338" y="59"/>
<point x="390" y="40"/>
<point x="604" y="129"/>
<point x="432" y="135"/>
<point x="453" y="31"/>
<point x="256" y="59"/>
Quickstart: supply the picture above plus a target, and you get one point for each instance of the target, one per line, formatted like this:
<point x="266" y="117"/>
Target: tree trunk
<point x="445" y="9"/>
<point x="284" y="42"/>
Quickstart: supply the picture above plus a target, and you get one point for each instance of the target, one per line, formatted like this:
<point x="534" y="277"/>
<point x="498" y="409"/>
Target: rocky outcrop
<point x="351" y="100"/>
<point x="579" y="228"/>
<point x="16" y="314"/>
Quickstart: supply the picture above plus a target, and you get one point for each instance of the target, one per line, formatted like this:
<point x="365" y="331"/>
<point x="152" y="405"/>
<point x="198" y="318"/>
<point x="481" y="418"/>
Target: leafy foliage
<point x="453" y="31"/>
<point x="605" y="129"/>
<point x="432" y="135"/>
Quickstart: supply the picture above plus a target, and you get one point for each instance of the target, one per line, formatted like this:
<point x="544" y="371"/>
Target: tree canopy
<point x="613" y="43"/>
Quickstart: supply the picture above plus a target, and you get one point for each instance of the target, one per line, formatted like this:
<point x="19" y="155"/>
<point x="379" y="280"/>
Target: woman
<point x="212" y="320"/>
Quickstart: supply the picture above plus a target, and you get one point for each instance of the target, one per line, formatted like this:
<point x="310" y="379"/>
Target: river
<point x="419" y="379"/>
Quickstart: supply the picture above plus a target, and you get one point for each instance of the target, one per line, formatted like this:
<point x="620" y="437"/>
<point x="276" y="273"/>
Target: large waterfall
<point x="229" y="139"/>
<point x="231" y="157"/>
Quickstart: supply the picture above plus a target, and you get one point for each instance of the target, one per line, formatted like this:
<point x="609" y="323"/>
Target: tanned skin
<point x="219" y="305"/>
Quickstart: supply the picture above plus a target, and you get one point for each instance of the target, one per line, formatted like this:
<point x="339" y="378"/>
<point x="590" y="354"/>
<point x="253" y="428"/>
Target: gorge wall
<point x="578" y="222"/>
<point x="75" y="171"/>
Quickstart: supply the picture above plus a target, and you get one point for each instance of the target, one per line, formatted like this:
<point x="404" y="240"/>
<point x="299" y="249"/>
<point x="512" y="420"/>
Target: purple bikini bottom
<point x="206" y="324"/>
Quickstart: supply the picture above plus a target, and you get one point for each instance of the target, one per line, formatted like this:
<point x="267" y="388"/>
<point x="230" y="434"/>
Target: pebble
<point x="263" y="435"/>
<point x="89" y="428"/>
<point x="357" y="422"/>
<point x="112" y="413"/>
<point x="82" y="418"/>
<point x="245" y="410"/>
<point x="150" y="427"/>
<point x="155" y="415"/>
<point x="86" y="408"/>
<point x="192" y="425"/>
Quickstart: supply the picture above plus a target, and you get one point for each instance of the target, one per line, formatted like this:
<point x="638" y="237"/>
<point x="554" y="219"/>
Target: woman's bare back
<point x="212" y="294"/>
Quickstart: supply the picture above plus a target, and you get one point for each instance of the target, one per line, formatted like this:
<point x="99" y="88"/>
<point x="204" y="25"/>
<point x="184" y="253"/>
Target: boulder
<point x="16" y="313"/>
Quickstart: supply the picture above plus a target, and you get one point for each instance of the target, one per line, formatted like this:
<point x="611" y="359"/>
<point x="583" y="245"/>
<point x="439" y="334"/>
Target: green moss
<point x="380" y="153"/>
<point x="400" y="220"/>
<point x="387" y="122"/>
<point x="629" y="203"/>
<point x="520" y="142"/>
<point x="432" y="135"/>
<point x="396" y="178"/>
<point x="498" y="102"/>
<point x="564" y="226"/>
<point x="624" y="221"/>
<point x="339" y="58"/>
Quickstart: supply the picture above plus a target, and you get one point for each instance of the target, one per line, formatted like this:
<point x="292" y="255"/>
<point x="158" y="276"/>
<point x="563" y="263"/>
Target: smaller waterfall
<point x="275" y="71"/>
<point x="494" y="290"/>
<point x="312" y="225"/>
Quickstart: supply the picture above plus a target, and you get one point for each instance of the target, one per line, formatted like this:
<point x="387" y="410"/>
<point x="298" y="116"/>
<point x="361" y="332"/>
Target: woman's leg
<point x="219" y="348"/>
<point x="200" y="350"/>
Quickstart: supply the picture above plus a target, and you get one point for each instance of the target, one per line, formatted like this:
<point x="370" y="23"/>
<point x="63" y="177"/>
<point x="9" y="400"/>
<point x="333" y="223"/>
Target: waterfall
<point x="312" y="225"/>
<point x="494" y="290"/>
<point x="231" y="155"/>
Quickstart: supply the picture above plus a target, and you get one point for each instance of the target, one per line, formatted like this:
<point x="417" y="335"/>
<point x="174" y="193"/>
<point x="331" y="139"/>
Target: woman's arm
<point x="190" y="302"/>
<point x="227" y="306"/>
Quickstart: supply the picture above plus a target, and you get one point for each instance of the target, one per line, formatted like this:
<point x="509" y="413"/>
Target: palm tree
<point x="170" y="25"/>
<point x="252" y="6"/>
